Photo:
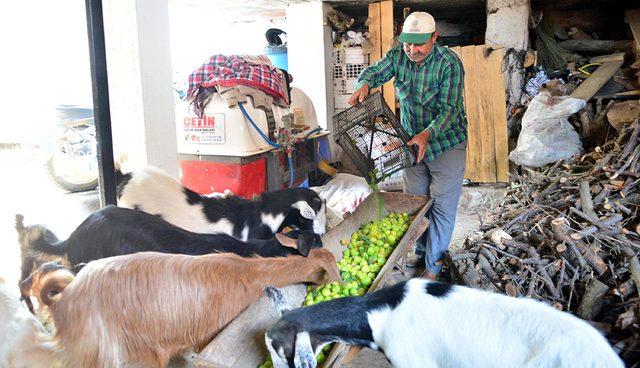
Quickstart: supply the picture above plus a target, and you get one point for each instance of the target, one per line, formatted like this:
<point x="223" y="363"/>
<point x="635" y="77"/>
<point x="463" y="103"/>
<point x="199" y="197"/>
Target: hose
<point x="318" y="129"/>
<point x="248" y="118"/>
<point x="292" y="174"/>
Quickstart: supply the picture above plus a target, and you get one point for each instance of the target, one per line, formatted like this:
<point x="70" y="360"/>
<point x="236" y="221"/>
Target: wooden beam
<point x="607" y="58"/>
<point x="498" y="101"/>
<point x="597" y="45"/>
<point x="596" y="80"/>
<point x="474" y="170"/>
<point x="374" y="35"/>
<point x="485" y="103"/>
<point x="386" y="36"/>
<point x="632" y="16"/>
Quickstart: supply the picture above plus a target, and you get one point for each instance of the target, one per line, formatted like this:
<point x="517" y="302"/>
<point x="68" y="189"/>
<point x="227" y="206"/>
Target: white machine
<point x="250" y="151"/>
<point x="224" y="130"/>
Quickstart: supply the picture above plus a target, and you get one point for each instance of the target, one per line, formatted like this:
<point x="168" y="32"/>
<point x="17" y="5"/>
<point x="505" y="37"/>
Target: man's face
<point x="419" y="52"/>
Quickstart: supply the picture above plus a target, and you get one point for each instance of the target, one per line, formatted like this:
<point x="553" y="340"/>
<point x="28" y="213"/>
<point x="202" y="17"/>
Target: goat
<point x="141" y="309"/>
<point x="20" y="333"/>
<point x="113" y="231"/>
<point x="153" y="191"/>
<point x="27" y="236"/>
<point x="422" y="323"/>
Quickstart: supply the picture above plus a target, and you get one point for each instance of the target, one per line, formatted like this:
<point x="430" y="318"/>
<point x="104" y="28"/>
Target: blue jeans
<point x="442" y="180"/>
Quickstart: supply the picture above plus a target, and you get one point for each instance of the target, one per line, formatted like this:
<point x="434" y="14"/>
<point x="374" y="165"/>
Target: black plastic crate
<point x="373" y="138"/>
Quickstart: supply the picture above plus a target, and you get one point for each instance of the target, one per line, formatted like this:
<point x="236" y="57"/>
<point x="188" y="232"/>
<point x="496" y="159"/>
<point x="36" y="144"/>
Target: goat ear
<point x="304" y="357"/>
<point x="277" y="299"/>
<point x="305" y="210"/>
<point x="306" y="242"/>
<point x="26" y="283"/>
<point x="78" y="267"/>
<point x="286" y="241"/>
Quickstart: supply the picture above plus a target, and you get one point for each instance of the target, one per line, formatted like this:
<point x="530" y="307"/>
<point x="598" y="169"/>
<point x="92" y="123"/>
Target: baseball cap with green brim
<point x="418" y="28"/>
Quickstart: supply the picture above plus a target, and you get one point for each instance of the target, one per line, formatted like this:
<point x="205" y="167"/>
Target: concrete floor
<point x="26" y="189"/>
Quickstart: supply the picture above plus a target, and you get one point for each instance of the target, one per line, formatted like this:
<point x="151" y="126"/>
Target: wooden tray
<point x="241" y="343"/>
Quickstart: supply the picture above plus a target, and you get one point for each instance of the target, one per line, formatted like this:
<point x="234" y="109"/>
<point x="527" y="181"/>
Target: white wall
<point x="309" y="53"/>
<point x="198" y="32"/>
<point x="140" y="83"/>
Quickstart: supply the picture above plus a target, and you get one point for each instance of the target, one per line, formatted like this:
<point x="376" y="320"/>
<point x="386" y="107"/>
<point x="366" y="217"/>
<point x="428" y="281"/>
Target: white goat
<point x="20" y="333"/>
<point x="425" y="324"/>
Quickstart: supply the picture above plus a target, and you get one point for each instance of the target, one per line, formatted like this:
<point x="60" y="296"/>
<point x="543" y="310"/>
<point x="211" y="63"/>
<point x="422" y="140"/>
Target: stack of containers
<point x="348" y="62"/>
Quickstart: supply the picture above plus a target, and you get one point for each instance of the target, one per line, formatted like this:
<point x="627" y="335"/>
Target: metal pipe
<point x="101" y="112"/>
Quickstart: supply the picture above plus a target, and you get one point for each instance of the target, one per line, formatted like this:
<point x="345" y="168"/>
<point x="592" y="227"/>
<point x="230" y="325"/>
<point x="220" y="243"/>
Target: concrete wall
<point x="140" y="83"/>
<point x="508" y="26"/>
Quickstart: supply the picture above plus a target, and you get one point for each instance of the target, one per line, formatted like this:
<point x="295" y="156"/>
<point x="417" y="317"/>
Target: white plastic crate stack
<point x="348" y="62"/>
<point x="394" y="183"/>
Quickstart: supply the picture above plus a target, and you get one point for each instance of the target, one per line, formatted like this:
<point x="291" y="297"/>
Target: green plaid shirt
<point x="430" y="95"/>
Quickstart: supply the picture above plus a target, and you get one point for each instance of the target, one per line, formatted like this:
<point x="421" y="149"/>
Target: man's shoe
<point x="426" y="274"/>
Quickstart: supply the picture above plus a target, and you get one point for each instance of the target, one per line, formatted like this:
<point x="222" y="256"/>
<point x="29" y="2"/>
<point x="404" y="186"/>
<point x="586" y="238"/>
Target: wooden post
<point x="386" y="37"/>
<point x="508" y="26"/>
<point x="374" y="35"/>
<point x="632" y="16"/>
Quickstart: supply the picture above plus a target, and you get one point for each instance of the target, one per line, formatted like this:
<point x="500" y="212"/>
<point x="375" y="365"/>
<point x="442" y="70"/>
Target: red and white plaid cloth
<point x="253" y="71"/>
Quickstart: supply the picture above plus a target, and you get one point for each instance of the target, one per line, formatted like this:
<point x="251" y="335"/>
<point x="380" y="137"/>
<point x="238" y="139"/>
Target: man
<point x="429" y="83"/>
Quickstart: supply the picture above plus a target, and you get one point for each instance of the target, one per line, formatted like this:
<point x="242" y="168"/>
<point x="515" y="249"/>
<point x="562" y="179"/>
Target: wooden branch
<point x="586" y="201"/>
<point x="560" y="228"/>
<point x="634" y="266"/>
<point x="609" y="221"/>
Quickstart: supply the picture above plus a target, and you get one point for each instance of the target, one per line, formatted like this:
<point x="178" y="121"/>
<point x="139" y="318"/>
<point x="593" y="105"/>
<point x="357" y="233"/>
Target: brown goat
<point x="142" y="309"/>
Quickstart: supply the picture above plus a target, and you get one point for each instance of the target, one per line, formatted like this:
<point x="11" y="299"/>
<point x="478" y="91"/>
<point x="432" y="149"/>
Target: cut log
<point x="591" y="302"/>
<point x="623" y="113"/>
<point x="625" y="289"/>
<point x="601" y="46"/>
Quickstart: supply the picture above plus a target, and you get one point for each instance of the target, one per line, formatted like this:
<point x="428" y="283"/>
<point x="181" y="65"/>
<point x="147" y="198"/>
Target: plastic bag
<point x="343" y="194"/>
<point x="547" y="136"/>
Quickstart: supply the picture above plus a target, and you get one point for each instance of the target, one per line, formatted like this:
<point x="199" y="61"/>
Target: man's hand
<point x="420" y="140"/>
<point x="359" y="95"/>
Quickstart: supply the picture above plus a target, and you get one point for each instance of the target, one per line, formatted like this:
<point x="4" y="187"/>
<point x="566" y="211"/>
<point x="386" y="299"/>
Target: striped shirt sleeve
<point x="379" y="72"/>
<point x="450" y="99"/>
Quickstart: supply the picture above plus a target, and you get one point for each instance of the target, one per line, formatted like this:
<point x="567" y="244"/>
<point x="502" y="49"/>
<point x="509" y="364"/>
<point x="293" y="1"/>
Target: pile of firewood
<point x="568" y="234"/>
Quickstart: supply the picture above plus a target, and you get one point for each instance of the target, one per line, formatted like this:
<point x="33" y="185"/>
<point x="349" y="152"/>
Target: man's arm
<point x="449" y="98"/>
<point x="379" y="72"/>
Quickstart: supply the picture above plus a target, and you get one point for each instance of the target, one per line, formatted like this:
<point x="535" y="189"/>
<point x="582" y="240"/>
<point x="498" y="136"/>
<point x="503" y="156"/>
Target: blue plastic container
<point x="278" y="56"/>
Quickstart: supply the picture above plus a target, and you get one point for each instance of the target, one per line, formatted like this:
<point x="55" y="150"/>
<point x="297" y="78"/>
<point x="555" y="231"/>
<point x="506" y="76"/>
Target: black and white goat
<point x="153" y="191"/>
<point x="421" y="323"/>
<point x="113" y="231"/>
